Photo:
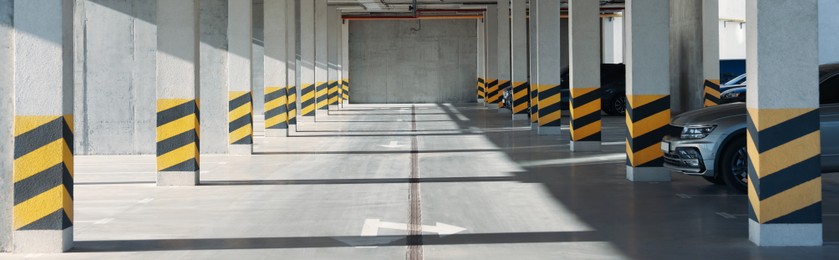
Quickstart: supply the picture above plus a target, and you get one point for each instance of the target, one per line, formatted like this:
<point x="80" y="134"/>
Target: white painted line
<point x="684" y="196"/>
<point x="145" y="201"/>
<point x="370" y="228"/>
<point x="726" y="215"/>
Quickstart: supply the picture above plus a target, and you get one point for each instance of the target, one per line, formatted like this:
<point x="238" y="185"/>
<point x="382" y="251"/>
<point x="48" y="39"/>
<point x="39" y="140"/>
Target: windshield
<point x="738" y="80"/>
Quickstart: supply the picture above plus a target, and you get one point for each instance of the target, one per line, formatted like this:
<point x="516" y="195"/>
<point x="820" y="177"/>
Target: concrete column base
<point x="521" y="117"/>
<point x="291" y="129"/>
<point x="534" y="127"/>
<point x="333" y="107"/>
<point x="276" y="132"/>
<point x="165" y="179"/>
<point x="550" y="130"/>
<point x="306" y="119"/>
<point x="43" y="241"/>
<point x="647" y="174"/>
<point x="321" y="113"/>
<point x="585" y="146"/>
<point x="241" y="149"/>
<point x="345" y="102"/>
<point x="785" y="234"/>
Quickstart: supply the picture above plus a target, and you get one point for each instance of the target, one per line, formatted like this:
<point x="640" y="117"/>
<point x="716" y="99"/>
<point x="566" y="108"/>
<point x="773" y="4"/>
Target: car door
<point x="829" y="113"/>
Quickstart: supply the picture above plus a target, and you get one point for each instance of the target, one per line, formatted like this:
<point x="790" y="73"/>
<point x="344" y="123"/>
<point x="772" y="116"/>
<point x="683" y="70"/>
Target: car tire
<point x="616" y="106"/>
<point x="734" y="167"/>
<point x="714" y="179"/>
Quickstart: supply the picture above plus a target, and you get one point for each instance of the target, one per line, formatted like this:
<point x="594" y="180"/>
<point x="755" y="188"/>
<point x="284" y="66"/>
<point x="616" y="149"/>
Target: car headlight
<point x="731" y="95"/>
<point x="697" y="131"/>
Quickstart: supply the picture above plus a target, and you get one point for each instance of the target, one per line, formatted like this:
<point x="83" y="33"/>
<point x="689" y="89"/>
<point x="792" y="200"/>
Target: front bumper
<point x="691" y="157"/>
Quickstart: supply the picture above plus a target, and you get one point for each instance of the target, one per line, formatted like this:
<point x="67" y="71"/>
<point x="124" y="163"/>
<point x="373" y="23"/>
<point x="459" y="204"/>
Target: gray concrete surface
<point x="686" y="57"/>
<point x="518" y="196"/>
<point x="258" y="59"/>
<point x="214" y="76"/>
<point x="7" y="115"/>
<point x="412" y="61"/>
<point x="115" y="101"/>
<point x="828" y="31"/>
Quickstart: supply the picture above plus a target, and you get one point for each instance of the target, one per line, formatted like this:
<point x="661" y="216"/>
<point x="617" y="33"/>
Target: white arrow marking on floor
<point x="372" y="226"/>
<point x="392" y="144"/>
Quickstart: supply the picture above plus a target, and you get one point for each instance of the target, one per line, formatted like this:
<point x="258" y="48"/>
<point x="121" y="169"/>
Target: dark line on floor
<point x="414" y="241"/>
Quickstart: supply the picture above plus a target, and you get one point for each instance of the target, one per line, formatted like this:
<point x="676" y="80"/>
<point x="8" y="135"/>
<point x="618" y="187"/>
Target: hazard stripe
<point x="784" y="147"/>
<point x="346" y="89"/>
<point x="307" y="100"/>
<point x="240" y="117"/>
<point x="43" y="173"/>
<point x="178" y="135"/>
<point x="276" y="108"/>
<point x="712" y="92"/>
<point x="521" y="97"/>
<point x="322" y="95"/>
<point x="550" y="99"/>
<point x="534" y="103"/>
<point x="291" y="104"/>
<point x="481" y="88"/>
<point x="333" y="92"/>
<point x="647" y="121"/>
<point x="585" y="114"/>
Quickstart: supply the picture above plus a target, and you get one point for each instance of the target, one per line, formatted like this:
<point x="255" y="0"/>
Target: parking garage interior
<point x="419" y="129"/>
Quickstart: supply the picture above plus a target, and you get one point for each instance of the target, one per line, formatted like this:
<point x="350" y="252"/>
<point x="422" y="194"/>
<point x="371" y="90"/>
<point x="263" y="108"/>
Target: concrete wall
<point x="732" y="34"/>
<point x="563" y="44"/>
<point x="828" y="31"/>
<point x="115" y="104"/>
<point x="686" y="75"/>
<point x="213" y="51"/>
<point x="612" y="28"/>
<point x="401" y="61"/>
<point x="6" y="123"/>
<point x="258" y="59"/>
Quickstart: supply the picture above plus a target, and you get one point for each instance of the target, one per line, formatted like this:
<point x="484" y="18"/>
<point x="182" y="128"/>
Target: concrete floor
<point x="507" y="192"/>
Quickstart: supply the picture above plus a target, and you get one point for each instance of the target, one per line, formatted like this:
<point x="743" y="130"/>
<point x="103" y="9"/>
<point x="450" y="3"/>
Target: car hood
<point x="709" y="115"/>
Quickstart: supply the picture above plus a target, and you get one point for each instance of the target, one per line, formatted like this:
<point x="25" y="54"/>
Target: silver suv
<point x="712" y="143"/>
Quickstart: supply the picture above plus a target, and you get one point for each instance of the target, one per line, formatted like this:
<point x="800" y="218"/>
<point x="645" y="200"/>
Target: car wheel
<point x="734" y="168"/>
<point x="714" y="180"/>
<point x="618" y="105"/>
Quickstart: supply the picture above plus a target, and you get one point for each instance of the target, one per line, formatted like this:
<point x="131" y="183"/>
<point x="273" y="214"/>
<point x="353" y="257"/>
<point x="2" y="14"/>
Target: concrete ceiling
<point x="396" y="6"/>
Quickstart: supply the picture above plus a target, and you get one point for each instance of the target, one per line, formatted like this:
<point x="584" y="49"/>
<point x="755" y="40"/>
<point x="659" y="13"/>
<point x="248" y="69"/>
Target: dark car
<point x="507" y="97"/>
<point x="612" y="89"/>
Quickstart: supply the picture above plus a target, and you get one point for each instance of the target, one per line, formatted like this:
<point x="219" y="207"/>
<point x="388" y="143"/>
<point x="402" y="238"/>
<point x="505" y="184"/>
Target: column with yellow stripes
<point x="648" y="88"/>
<point x="292" y="90"/>
<point x="584" y="38"/>
<point x="711" y="52"/>
<point x="307" y="63"/>
<point x="321" y="58"/>
<point x="519" y="60"/>
<point x="240" y="97"/>
<point x="783" y="135"/>
<point x="42" y="157"/>
<point x="275" y="80"/>
<point x="504" y="78"/>
<point x="491" y="78"/>
<point x="533" y="59"/>
<point x="345" y="63"/>
<point x="178" y="130"/>
<point x="481" y="60"/>
<point x="548" y="61"/>
<point x="333" y="25"/>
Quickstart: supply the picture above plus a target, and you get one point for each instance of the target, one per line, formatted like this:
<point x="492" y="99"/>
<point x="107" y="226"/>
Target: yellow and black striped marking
<point x="333" y="92"/>
<point x="307" y="100"/>
<point x="585" y="114"/>
<point x="499" y="87"/>
<point x="341" y="91"/>
<point x="276" y="108"/>
<point x="712" y="92"/>
<point x="291" y="104"/>
<point x="521" y="97"/>
<point x="240" y="118"/>
<point x="322" y="95"/>
<point x="178" y="136"/>
<point x="43" y="173"/>
<point x="784" y="148"/>
<point x="647" y="120"/>
<point x="345" y="89"/>
<point x="481" y="88"/>
<point x="492" y="91"/>
<point x="549" y="105"/>
<point x="534" y="103"/>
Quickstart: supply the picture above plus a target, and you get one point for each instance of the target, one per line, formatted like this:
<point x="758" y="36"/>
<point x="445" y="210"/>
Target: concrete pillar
<point x="584" y="75"/>
<point x="276" y="80"/>
<point x="491" y="19"/>
<point x="647" y="87"/>
<point x="532" y="50"/>
<point x="518" y="69"/>
<point x="214" y="76"/>
<point x="783" y="139"/>
<point x="828" y="26"/>
<point x="711" y="51"/>
<point x="481" y="27"/>
<point x="340" y="46"/>
<point x="307" y="61"/>
<point x="345" y="60"/>
<point x="42" y="215"/>
<point x="7" y="115"/>
<point x="292" y="91"/>
<point x="548" y="63"/>
<point x="612" y="40"/>
<point x="333" y="24"/>
<point x="177" y="93"/>
<point x="240" y="117"/>
<point x="321" y="56"/>
<point x="504" y="48"/>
